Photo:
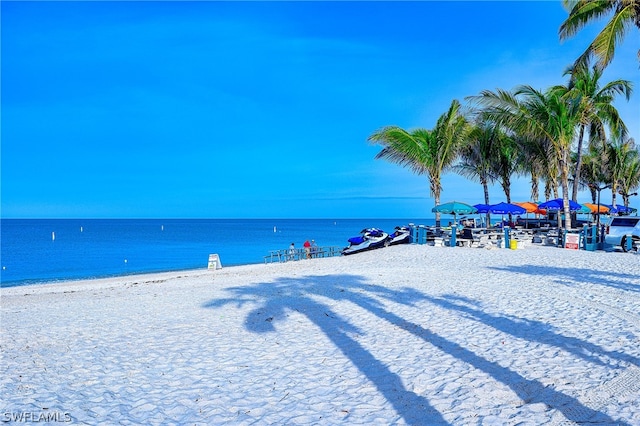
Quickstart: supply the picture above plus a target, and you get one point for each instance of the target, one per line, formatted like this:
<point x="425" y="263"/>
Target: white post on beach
<point x="214" y="262"/>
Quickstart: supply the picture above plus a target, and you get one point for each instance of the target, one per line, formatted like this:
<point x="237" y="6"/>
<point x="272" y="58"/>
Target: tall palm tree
<point x="625" y="14"/>
<point x="537" y="115"/>
<point x="477" y="154"/>
<point x="507" y="161"/>
<point x="429" y="152"/>
<point x="596" y="109"/>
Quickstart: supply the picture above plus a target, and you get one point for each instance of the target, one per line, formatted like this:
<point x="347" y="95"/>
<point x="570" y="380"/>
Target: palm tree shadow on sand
<point x="276" y="299"/>
<point x="569" y="276"/>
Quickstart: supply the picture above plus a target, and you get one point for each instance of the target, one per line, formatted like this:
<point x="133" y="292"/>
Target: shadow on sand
<point x="567" y="276"/>
<point x="302" y="294"/>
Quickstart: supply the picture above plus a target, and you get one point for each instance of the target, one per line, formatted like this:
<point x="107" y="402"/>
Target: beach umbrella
<point x="528" y="206"/>
<point x="506" y="208"/>
<point x="557" y="205"/>
<point x="532" y="207"/>
<point x="620" y="209"/>
<point x="583" y="209"/>
<point x="482" y="208"/>
<point x="454" y="208"/>
<point x="593" y="208"/>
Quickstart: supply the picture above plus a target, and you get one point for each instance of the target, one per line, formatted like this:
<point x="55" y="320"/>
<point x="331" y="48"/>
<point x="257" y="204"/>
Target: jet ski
<point x="401" y="235"/>
<point x="369" y="239"/>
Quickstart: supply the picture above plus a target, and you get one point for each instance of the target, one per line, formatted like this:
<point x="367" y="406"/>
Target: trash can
<point x="507" y="239"/>
<point x="514" y="244"/>
<point x="590" y="237"/>
<point x="424" y="234"/>
<point x="413" y="235"/>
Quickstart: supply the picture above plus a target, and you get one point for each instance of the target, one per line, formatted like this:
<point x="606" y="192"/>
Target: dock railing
<point x="287" y="255"/>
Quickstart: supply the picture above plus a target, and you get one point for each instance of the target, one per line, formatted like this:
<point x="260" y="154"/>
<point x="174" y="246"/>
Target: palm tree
<point x="630" y="180"/>
<point x="539" y="162"/>
<point x="596" y="109"/>
<point x="623" y="158"/>
<point x="537" y="115"/>
<point x="626" y="13"/>
<point x="594" y="169"/>
<point x="429" y="152"/>
<point x="506" y="162"/>
<point x="476" y="156"/>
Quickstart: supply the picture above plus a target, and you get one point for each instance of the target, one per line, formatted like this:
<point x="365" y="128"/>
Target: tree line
<point x="565" y="138"/>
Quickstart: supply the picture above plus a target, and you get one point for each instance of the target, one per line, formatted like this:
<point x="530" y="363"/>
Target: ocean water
<point x="46" y="250"/>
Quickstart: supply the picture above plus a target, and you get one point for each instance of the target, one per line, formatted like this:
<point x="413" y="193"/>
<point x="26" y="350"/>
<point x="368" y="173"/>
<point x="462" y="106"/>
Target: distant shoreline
<point x="36" y="251"/>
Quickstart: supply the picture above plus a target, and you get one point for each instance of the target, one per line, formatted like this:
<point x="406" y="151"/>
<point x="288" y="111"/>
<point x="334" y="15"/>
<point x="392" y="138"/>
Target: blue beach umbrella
<point x="620" y="209"/>
<point x="506" y="208"/>
<point x="482" y="208"/>
<point x="557" y="205"/>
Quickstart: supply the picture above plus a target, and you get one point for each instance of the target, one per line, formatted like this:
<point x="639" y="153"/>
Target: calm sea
<point x="45" y="250"/>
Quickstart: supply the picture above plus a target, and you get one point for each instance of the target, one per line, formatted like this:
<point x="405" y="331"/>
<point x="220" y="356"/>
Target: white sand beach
<point x="414" y="335"/>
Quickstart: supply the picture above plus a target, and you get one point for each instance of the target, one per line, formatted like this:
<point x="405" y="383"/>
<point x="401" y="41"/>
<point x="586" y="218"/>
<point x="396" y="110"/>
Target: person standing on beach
<point x="314" y="248"/>
<point x="292" y="251"/>
<point x="307" y="249"/>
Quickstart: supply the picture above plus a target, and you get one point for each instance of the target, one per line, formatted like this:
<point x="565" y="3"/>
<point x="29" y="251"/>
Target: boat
<point x="401" y="235"/>
<point x="369" y="239"/>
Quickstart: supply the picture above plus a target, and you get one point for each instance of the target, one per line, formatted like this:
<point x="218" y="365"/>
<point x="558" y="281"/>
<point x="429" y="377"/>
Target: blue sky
<point x="256" y="109"/>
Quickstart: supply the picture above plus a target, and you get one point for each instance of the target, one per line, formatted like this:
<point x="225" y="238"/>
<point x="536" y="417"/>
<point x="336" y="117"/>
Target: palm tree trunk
<point x="564" y="182"/>
<point x="485" y="186"/>
<point x="535" y="189"/>
<point x="614" y="190"/>
<point x="576" y="173"/>
<point x="507" y="193"/>
<point x="435" y="190"/>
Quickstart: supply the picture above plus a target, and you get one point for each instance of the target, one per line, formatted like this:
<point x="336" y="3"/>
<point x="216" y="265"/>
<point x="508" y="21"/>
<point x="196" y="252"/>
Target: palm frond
<point x="582" y="12"/>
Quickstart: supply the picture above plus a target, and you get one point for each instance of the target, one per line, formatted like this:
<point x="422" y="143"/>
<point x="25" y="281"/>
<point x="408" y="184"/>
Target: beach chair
<point x="482" y="241"/>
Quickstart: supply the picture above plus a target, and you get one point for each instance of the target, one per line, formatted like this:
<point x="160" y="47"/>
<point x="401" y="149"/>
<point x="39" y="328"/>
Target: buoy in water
<point x="53" y="236"/>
